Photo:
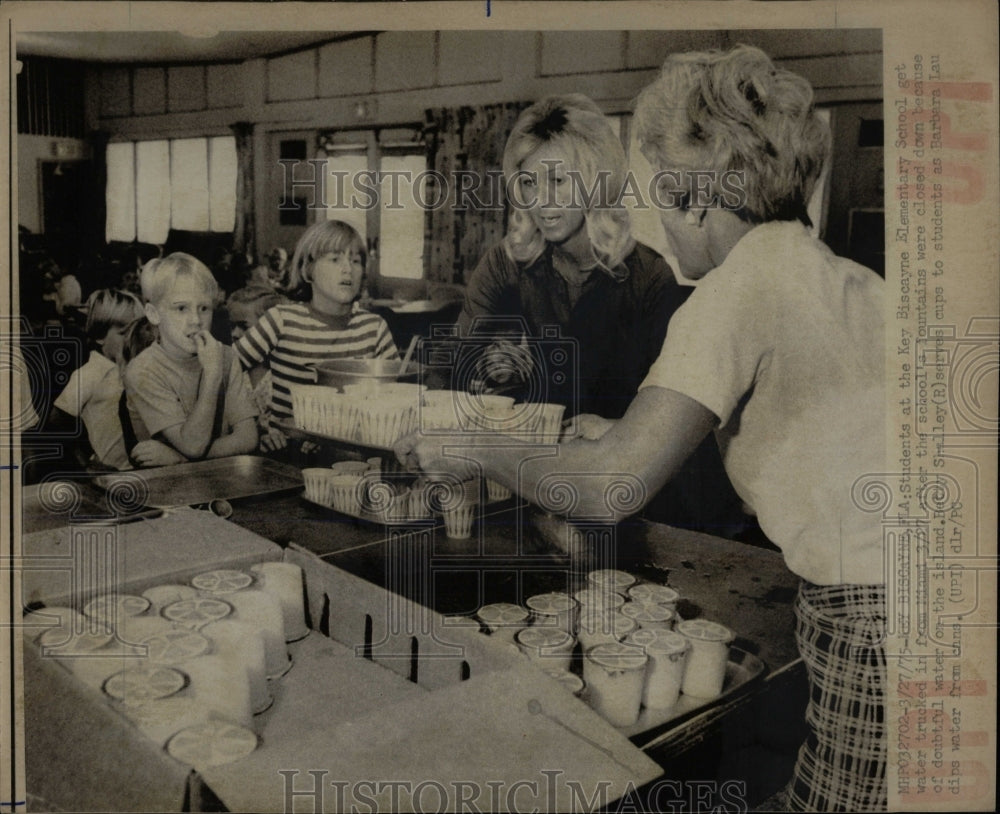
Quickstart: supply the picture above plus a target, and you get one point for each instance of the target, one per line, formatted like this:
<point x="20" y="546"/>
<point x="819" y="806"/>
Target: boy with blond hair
<point x="188" y="389"/>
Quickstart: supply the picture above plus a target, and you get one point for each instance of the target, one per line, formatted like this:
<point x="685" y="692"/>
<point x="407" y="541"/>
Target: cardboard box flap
<point x="508" y="740"/>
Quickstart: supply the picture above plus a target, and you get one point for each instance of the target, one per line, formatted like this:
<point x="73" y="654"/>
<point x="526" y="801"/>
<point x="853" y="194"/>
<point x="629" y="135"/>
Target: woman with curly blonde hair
<point x="780" y="352"/>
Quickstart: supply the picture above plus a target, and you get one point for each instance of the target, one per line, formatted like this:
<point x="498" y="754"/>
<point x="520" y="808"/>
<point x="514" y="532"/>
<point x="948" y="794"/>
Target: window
<point x="156" y="186"/>
<point x="388" y="161"/>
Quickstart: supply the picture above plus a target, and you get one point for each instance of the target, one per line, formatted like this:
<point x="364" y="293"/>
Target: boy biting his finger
<point x="188" y="389"/>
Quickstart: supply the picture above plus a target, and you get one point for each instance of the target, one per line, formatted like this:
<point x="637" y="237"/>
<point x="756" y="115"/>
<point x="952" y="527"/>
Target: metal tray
<point x="742" y="671"/>
<point x="58" y="503"/>
<point x="203" y="481"/>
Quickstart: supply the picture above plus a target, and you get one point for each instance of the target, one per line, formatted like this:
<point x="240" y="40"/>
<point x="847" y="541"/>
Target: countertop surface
<point x="515" y="552"/>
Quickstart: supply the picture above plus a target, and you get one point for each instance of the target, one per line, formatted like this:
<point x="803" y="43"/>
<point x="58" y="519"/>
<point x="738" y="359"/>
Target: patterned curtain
<point x="471" y="140"/>
<point x="244" y="235"/>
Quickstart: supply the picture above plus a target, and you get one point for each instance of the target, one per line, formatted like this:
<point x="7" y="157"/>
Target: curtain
<point x="244" y="235"/>
<point x="466" y="139"/>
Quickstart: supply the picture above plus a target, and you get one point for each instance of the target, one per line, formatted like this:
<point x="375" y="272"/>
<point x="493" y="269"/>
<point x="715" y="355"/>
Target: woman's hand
<point x="425" y="454"/>
<point x="155" y="453"/>
<point x="587" y="426"/>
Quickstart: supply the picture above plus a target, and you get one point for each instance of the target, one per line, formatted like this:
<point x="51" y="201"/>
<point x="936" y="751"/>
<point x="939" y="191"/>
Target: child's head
<point x="138" y="335"/>
<point x="109" y="310"/>
<point x="561" y="151"/>
<point x="246" y="305"/>
<point x="331" y="257"/>
<point x="181" y="295"/>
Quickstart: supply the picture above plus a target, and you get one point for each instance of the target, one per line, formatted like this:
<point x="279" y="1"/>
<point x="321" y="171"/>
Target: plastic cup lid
<point x="594" y="596"/>
<point x="659" y="594"/>
<point x="656" y="640"/>
<point x="705" y="631"/>
<point x="613" y="622"/>
<point x="172" y="646"/>
<point x="120" y="604"/>
<point x="223" y="581"/>
<point x="461" y="621"/>
<point x="571" y="681"/>
<point x="554" y="602"/>
<point x="618" y="656"/>
<point x="647" y="613"/>
<point x="503" y="613"/>
<point x="618" y="580"/>
<point x="545" y="637"/>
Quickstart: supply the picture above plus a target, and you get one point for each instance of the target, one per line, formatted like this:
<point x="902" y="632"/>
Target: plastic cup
<point x="705" y="673"/>
<point x="458" y="520"/>
<point x="609" y="579"/>
<point x="615" y="674"/>
<point x="504" y="619"/>
<point x="552" y="648"/>
<point x="649" y="594"/>
<point x="345" y="494"/>
<point x="598" y="599"/>
<point x="602" y="627"/>
<point x="667" y="652"/>
<point x="570" y="681"/>
<point x="649" y="616"/>
<point x="554" y="609"/>
<point x="319" y="485"/>
<point x="283" y="580"/>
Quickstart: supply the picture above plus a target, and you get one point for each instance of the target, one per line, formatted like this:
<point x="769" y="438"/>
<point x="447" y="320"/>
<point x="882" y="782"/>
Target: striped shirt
<point x="291" y="338"/>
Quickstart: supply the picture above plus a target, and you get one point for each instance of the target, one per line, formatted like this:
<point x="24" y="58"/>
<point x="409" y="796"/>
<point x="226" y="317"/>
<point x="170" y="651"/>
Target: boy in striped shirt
<point x="290" y="339"/>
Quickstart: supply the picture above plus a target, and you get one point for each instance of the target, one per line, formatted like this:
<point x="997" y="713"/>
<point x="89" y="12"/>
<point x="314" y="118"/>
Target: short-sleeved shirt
<point x="784" y="342"/>
<point x="292" y="337"/>
<point x="162" y="392"/>
<point x="92" y="393"/>
<point x="616" y="326"/>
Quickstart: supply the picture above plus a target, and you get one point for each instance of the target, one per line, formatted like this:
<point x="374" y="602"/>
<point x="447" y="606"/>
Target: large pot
<point x="339" y="372"/>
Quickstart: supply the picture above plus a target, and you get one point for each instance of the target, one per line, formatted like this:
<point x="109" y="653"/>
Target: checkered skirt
<point x="842" y="764"/>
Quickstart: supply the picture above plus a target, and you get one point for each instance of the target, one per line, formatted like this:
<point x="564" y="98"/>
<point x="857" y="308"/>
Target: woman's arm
<point x="640" y="452"/>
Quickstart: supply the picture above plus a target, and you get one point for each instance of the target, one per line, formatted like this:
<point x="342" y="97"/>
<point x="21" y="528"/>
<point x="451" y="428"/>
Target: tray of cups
<point x="362" y="494"/>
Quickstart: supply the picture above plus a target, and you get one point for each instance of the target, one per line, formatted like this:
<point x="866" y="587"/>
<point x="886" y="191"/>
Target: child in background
<point x="290" y="338"/>
<point x="245" y="307"/>
<point x="93" y="390"/>
<point x="188" y="389"/>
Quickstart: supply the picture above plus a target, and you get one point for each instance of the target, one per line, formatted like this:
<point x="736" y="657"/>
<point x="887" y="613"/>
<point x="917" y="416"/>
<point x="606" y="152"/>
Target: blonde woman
<point x="779" y="351"/>
<point x="569" y="261"/>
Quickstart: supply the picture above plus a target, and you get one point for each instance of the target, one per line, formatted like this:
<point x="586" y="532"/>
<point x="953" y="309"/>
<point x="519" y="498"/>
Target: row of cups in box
<point x="189" y="664"/>
<point x="636" y="651"/>
<point x="357" y="489"/>
<point x="380" y="416"/>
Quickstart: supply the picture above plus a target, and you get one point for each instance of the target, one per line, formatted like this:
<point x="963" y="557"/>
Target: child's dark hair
<point x="257" y="296"/>
<point x="138" y="335"/>
<point x="320" y="238"/>
<point x="109" y="308"/>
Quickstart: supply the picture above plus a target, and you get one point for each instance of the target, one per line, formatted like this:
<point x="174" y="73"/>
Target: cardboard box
<point x="386" y="707"/>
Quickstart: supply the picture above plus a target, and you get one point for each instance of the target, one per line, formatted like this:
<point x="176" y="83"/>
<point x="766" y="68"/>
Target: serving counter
<point x="410" y="710"/>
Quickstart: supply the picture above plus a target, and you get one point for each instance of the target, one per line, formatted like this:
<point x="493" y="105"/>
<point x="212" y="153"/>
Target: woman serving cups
<point x="779" y="351"/>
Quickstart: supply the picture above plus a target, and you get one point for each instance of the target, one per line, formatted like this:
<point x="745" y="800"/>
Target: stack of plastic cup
<point x="319" y="485"/>
<point x="548" y="425"/>
<point x="223" y="686"/>
<point x="459" y="510"/>
<point x="346" y="494"/>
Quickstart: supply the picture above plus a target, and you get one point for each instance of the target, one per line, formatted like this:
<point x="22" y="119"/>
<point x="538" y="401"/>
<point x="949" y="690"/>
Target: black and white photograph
<point x="483" y="406"/>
